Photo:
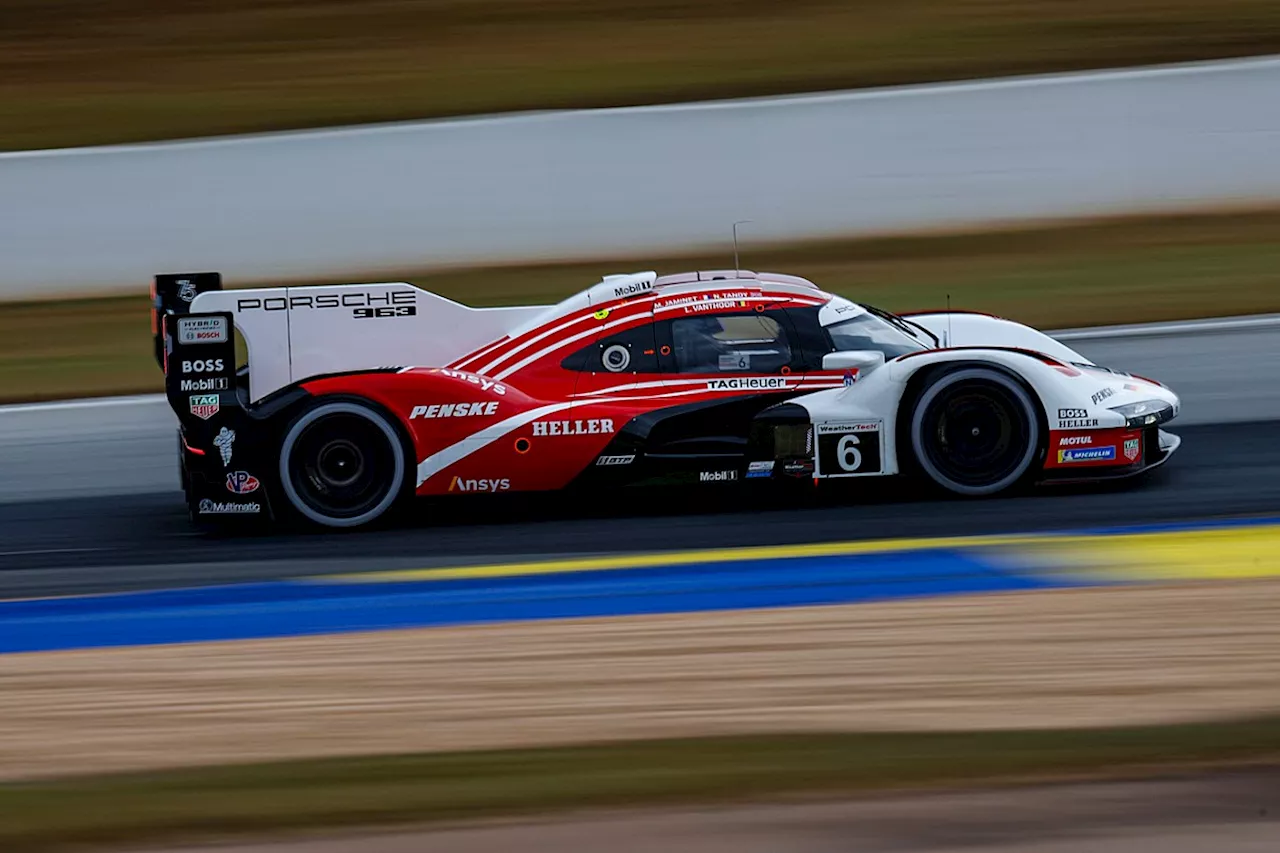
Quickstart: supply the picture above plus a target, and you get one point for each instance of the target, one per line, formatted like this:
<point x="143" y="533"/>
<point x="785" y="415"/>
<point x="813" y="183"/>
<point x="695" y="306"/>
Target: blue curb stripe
<point x="283" y="609"/>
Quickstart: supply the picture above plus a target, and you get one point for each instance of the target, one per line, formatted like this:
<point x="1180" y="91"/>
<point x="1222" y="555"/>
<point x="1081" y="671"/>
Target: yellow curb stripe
<point x="1214" y="553"/>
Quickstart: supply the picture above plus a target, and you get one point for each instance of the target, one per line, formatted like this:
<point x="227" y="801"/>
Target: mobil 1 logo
<point x="848" y="448"/>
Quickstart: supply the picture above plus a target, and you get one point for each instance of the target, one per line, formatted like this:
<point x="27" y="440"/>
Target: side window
<point x="810" y="338"/>
<point x="629" y="351"/>
<point x="729" y="343"/>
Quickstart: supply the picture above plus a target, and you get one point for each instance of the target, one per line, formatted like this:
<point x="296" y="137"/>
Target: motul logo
<point x="457" y="484"/>
<point x="1074" y="440"/>
<point x="594" y="426"/>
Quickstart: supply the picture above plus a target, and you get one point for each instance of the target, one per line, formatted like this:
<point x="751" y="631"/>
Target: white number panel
<point x="848" y="448"/>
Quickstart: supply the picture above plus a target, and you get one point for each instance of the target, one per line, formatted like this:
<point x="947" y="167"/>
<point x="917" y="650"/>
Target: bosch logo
<point x="203" y="365"/>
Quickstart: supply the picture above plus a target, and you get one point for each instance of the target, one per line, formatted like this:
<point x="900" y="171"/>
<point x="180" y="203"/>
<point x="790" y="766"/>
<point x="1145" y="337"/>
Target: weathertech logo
<point x="455" y="410"/>
<point x="587" y="427"/>
<point x="457" y="484"/>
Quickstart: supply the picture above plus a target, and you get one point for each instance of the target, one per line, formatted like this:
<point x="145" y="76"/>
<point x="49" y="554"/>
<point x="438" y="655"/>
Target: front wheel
<point x="975" y="431"/>
<point x="342" y="464"/>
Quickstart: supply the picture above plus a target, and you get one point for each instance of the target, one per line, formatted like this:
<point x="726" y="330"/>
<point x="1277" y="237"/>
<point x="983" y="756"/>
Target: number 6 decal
<point x="848" y="448"/>
<point x="847" y="454"/>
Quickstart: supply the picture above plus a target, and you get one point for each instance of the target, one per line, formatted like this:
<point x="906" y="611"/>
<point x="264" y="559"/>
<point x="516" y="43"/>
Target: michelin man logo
<point x="223" y="441"/>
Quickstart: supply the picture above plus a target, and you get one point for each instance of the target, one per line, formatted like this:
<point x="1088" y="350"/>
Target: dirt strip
<point x="1063" y="658"/>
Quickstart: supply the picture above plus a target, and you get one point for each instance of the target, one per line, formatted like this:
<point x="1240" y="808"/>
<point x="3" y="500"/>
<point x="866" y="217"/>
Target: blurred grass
<point x="214" y="803"/>
<point x="1091" y="273"/>
<point x="76" y="72"/>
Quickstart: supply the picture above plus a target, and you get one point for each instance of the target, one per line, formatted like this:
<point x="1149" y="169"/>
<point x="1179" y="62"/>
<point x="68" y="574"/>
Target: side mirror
<point x="864" y="360"/>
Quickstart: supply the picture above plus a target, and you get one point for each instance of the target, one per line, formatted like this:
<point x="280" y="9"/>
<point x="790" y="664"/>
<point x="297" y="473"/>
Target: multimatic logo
<point x="363" y="305"/>
<point x="593" y="426"/>
<point x="208" y="507"/>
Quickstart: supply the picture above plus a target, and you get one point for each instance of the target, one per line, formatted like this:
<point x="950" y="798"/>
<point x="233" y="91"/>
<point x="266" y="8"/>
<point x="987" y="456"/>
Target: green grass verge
<point x="1103" y="272"/>
<point x="75" y="73"/>
<point x="327" y="794"/>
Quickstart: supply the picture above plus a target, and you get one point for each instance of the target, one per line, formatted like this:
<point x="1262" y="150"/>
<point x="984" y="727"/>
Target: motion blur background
<point x="1110" y="198"/>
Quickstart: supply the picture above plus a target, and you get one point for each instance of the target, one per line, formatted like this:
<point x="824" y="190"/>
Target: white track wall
<point x="582" y="184"/>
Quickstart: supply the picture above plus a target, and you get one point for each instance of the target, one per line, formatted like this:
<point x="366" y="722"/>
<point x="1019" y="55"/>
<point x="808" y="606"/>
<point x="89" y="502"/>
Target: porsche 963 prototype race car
<point x="356" y="398"/>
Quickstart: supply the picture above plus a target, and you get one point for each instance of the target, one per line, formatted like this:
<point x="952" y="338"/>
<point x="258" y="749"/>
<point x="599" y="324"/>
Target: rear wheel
<point x="342" y="464"/>
<point x="975" y="431"/>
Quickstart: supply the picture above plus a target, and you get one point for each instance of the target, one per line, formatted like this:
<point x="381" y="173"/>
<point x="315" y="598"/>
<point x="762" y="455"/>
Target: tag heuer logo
<point x="204" y="406"/>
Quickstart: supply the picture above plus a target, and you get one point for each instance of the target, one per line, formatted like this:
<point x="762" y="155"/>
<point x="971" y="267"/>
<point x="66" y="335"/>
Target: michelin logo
<point x="1090" y="454"/>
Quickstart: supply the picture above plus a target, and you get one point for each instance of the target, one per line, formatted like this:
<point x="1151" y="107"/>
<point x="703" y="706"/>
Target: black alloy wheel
<point x="342" y="464"/>
<point x="975" y="431"/>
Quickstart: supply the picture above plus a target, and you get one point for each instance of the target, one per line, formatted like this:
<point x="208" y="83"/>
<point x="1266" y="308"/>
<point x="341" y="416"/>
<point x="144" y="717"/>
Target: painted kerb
<point x="570" y="184"/>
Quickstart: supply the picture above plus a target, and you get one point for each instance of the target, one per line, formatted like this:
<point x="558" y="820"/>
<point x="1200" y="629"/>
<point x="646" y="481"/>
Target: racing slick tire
<point x="342" y="464"/>
<point x="975" y="431"/>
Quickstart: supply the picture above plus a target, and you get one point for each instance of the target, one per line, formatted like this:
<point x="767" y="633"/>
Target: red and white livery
<point x="355" y="398"/>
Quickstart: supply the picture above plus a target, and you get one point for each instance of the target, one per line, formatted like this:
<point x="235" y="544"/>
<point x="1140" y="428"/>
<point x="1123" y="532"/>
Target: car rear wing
<point x="198" y="356"/>
<point x="172" y="295"/>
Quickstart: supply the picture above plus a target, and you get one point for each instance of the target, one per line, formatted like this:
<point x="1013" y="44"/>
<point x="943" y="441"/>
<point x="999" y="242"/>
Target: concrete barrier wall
<point x="586" y="183"/>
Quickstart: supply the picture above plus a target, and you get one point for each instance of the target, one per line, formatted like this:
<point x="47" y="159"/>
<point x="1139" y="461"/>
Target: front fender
<point x="964" y="329"/>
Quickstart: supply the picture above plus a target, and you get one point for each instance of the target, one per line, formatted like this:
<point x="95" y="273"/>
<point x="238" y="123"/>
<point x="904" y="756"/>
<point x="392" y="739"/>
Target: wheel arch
<point x="924" y="374"/>
<point x="285" y="420"/>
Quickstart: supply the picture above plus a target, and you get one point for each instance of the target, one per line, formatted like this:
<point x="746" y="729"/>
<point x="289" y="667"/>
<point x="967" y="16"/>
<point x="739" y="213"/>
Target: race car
<point x="347" y="401"/>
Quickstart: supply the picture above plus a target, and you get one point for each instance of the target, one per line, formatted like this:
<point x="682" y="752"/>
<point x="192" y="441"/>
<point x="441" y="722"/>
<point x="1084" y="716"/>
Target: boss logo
<point x="1073" y="413"/>
<point x="203" y="365"/>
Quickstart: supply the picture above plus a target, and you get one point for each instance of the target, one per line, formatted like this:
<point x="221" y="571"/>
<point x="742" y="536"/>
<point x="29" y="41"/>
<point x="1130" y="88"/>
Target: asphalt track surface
<point x="89" y="498"/>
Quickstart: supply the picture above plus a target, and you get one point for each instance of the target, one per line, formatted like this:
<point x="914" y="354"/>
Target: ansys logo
<point x="457" y="484"/>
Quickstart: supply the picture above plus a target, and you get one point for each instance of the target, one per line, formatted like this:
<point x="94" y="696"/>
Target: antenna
<point x="736" y="267"/>
<point x="948" y="319"/>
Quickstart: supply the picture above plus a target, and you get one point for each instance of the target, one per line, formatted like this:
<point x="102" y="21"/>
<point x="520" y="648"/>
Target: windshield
<point x="869" y="332"/>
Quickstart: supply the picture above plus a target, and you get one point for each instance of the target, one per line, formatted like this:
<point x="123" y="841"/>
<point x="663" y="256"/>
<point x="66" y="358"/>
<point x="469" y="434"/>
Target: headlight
<point x="1146" y="413"/>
